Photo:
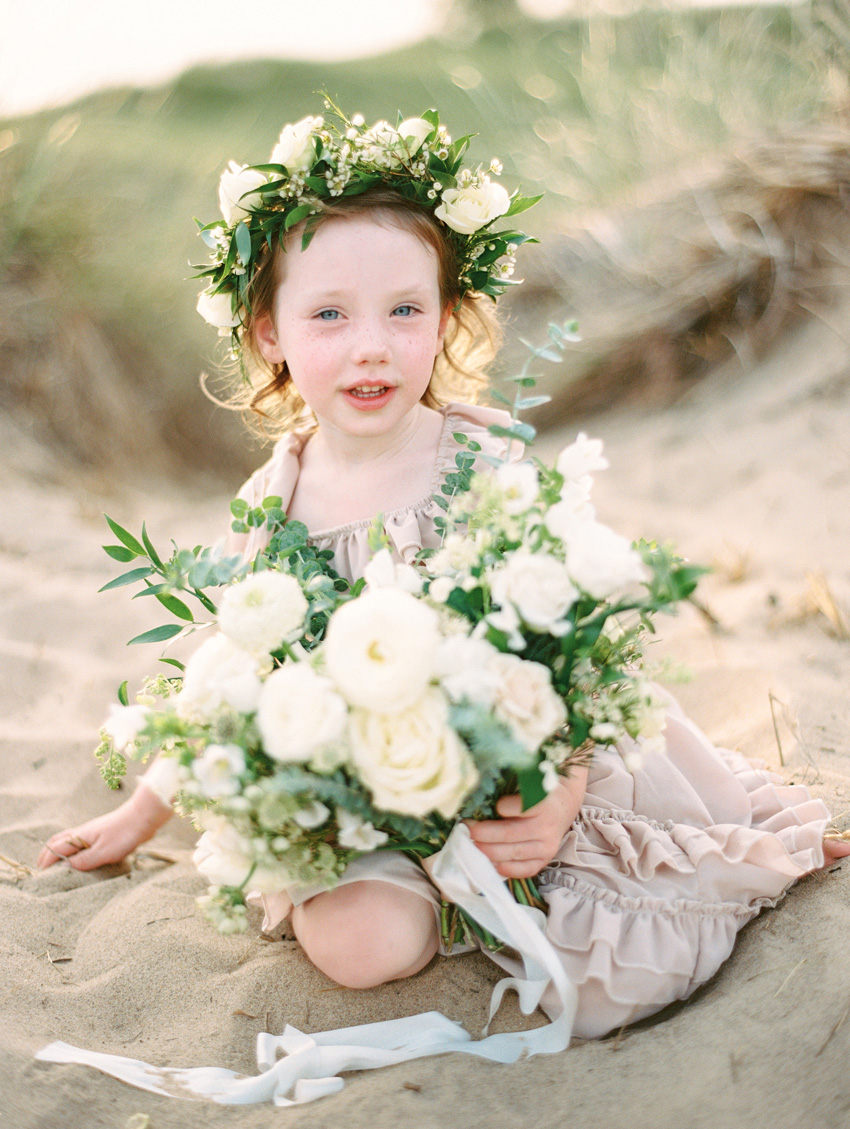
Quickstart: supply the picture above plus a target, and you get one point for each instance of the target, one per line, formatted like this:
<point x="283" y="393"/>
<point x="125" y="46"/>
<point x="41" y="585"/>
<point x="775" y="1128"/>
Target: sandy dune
<point x="753" y="473"/>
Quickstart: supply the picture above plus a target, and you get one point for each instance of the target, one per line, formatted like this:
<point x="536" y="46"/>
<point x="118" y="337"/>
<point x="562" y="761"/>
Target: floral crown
<point x="316" y="161"/>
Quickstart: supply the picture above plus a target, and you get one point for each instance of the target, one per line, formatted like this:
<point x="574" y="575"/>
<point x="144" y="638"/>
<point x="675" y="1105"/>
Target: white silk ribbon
<point x="311" y="1064"/>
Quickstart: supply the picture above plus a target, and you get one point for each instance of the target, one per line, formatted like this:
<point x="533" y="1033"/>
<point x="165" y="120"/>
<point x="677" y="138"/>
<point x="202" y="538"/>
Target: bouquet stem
<point x="457" y="927"/>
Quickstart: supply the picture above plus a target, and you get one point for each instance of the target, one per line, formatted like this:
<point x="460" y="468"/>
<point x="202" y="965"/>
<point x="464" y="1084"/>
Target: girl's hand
<point x="520" y="843"/>
<point x="108" y="838"/>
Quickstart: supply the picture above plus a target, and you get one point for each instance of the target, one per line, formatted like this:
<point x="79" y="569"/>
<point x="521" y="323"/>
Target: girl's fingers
<point x="512" y="852"/>
<point x="59" y="847"/>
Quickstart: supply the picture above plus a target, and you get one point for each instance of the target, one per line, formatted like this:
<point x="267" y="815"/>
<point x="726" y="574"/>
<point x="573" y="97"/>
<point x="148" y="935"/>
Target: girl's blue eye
<point x="404" y="311"/>
<point x="328" y="315"/>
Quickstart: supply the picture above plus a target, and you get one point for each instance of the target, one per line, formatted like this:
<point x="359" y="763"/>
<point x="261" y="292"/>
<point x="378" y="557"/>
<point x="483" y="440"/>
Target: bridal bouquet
<point x="320" y="720"/>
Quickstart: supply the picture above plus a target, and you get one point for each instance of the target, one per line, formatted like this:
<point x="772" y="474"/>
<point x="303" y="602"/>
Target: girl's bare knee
<point x="367" y="933"/>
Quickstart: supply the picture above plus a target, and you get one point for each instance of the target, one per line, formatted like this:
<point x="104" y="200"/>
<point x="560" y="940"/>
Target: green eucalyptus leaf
<point x="125" y="538"/>
<point x="174" y="662"/>
<point x="152" y="553"/>
<point x="157" y="634"/>
<point x="122" y="694"/>
<point x="127" y="578"/>
<point x="176" y="607"/>
<point x="120" y="553"/>
<point x="243" y="243"/>
<point x="522" y="204"/>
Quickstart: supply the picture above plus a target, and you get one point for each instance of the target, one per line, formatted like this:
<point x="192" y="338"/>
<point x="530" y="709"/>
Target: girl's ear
<point x="442" y="327"/>
<point x="265" y="335"/>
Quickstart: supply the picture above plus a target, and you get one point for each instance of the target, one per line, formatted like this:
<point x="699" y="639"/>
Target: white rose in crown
<point x="600" y="561"/>
<point x="467" y="210"/>
<point x="299" y="711"/>
<point x="217" y="771"/>
<point x="538" y="586"/>
<point x="411" y="760"/>
<point x="263" y="611"/>
<point x="217" y="310"/>
<point x="219" y="673"/>
<point x="526" y="700"/>
<point x="414" y="132"/>
<point x="296" y="149"/>
<point x="223" y="857"/>
<point x="379" y="649"/>
<point x="237" y="181"/>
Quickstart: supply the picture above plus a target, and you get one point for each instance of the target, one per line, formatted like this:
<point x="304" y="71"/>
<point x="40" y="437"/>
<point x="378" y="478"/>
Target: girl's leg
<point x="366" y="933"/>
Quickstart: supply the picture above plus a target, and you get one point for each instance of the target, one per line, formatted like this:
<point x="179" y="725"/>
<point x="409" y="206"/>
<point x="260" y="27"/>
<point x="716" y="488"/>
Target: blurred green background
<point x="101" y="347"/>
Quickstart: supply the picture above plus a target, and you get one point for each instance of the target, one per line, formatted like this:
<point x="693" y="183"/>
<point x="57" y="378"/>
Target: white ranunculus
<point x="125" y="723"/>
<point x="263" y="611"/>
<point x="299" y="711"/>
<point x="467" y="210"/>
<point x="383" y="572"/>
<point x="521" y="485"/>
<point x="236" y="181"/>
<point x="219" y="673"/>
<point x="223" y="857"/>
<point x="311" y="815"/>
<point x="539" y="587"/>
<point x="526" y="700"/>
<point x="296" y="149"/>
<point x="357" y="833"/>
<point x="217" y="309"/>
<point x="412" y="761"/>
<point x="464" y="671"/>
<point x="600" y="561"/>
<point x="581" y="458"/>
<point x="414" y="132"/>
<point x="218" y="770"/>
<point x="380" y="649"/>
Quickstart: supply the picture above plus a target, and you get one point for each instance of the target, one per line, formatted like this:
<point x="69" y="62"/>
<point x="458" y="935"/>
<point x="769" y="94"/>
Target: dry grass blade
<point x="824" y="603"/>
<point x="19" y="866"/>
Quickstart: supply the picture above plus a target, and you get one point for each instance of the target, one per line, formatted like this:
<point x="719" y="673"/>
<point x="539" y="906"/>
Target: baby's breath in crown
<point x="317" y="160"/>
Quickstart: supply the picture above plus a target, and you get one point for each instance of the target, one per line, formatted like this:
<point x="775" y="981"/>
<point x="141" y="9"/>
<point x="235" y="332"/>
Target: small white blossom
<point x="124" y="723"/>
<point x="356" y="833"/>
<point x="581" y="458"/>
<point x="311" y="816"/>
<point x="520" y="483"/>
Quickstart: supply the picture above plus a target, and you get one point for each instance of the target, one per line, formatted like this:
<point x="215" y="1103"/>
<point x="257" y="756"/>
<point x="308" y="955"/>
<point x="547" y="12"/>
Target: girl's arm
<point x="110" y="837"/>
<point x="521" y="843"/>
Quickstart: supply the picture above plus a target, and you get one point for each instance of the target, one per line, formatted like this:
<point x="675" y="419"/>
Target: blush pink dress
<point x="664" y="864"/>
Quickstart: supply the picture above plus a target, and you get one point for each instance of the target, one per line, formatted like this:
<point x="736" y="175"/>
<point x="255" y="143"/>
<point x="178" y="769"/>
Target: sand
<point x="749" y="472"/>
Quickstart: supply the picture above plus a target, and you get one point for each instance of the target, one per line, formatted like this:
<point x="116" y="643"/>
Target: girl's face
<point x="358" y="320"/>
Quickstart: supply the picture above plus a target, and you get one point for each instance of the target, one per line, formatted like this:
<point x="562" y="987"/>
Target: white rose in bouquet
<point x="539" y="587"/>
<point x="125" y="723"/>
<point x="467" y="210"/>
<point x="526" y="700"/>
<point x="520" y="483"/>
<point x="263" y="611"/>
<point x="299" y="710"/>
<point x="412" y="761"/>
<point x="296" y="149"/>
<point x="463" y="669"/>
<point x="600" y="561"/>
<point x="224" y="858"/>
<point x="581" y="458"/>
<point x="219" y="673"/>
<point x="380" y="648"/>
<point x="217" y="309"/>
<point x="218" y="770"/>
<point x="236" y="181"/>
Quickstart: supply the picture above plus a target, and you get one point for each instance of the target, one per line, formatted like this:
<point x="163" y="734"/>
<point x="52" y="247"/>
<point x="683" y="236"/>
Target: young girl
<point x="365" y="332"/>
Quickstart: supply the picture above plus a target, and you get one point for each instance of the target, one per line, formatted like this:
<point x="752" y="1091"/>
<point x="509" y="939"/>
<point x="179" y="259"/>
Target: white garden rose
<point x="412" y="761"/>
<point x="581" y="458"/>
<point x="125" y="723"/>
<point x="224" y="858"/>
<point x="380" y="649"/>
<point x="520" y="483"/>
<point x="295" y="149"/>
<point x="299" y="710"/>
<point x="539" y="587"/>
<point x="263" y="611"/>
<point x="357" y="833"/>
<point x="467" y="210"/>
<point x="463" y="669"/>
<point x="217" y="309"/>
<point x="414" y="132"/>
<point x="600" y="561"/>
<point x="236" y="181"/>
<point x="219" y="673"/>
<point x="526" y="700"/>
<point x="218" y="770"/>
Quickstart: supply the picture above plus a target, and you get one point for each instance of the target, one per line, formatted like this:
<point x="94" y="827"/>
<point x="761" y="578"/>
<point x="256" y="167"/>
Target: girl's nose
<point x="370" y="344"/>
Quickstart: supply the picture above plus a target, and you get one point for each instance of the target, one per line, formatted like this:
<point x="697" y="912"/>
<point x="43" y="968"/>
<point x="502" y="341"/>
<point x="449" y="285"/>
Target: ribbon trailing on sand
<point x="311" y="1064"/>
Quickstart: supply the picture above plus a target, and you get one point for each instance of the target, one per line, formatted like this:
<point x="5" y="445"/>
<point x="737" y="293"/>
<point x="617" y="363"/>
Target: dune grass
<point x="96" y="200"/>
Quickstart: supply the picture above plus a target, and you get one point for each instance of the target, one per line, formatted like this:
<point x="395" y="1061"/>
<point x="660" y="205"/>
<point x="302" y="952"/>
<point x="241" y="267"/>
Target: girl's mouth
<point x="366" y="396"/>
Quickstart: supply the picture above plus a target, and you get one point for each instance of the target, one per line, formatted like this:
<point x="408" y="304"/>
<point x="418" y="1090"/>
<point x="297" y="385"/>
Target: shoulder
<point x="474" y="421"/>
